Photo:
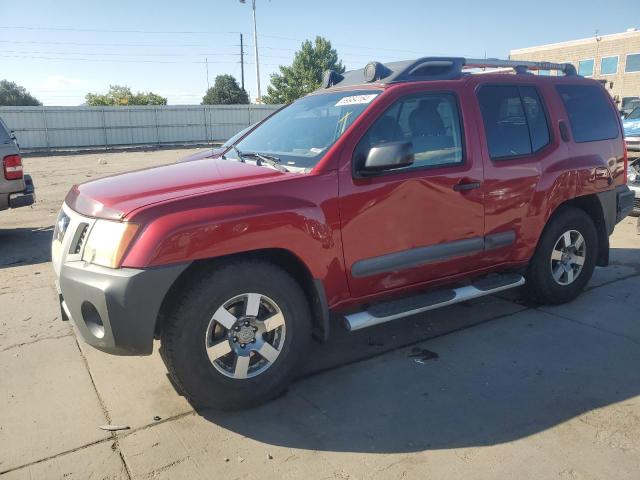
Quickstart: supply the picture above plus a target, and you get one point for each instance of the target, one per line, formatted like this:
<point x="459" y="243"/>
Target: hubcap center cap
<point x="246" y="334"/>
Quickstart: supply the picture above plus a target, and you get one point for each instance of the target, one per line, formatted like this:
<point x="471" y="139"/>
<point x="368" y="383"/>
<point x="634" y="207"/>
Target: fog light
<point x="92" y="319"/>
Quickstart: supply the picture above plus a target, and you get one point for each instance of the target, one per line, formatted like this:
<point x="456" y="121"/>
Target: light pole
<point x="255" y="47"/>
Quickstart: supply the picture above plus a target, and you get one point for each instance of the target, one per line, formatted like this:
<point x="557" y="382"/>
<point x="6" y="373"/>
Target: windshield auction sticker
<point x="356" y="99"/>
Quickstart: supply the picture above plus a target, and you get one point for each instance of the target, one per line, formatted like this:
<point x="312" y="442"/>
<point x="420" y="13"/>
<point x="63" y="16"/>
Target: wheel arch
<point x="313" y="287"/>
<point x="594" y="205"/>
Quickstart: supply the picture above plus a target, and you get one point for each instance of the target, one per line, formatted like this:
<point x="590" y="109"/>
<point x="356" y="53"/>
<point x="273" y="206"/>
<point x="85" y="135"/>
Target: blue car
<point x="631" y="125"/>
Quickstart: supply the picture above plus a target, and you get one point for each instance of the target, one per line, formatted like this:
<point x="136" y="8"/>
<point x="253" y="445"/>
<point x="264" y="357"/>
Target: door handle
<point x="463" y="187"/>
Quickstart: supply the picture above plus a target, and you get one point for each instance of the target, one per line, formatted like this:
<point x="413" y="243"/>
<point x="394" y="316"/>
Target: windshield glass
<point x="235" y="138"/>
<point x="300" y="134"/>
<point x="634" y="115"/>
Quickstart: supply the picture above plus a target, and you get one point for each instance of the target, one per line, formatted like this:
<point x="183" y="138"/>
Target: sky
<point x="61" y="50"/>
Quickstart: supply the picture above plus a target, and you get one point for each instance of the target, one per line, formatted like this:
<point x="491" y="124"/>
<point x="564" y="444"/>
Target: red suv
<point x="390" y="191"/>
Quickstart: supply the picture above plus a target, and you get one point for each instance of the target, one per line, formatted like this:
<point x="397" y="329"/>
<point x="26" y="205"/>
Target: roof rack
<point x="433" y="68"/>
<point x="520" y="66"/>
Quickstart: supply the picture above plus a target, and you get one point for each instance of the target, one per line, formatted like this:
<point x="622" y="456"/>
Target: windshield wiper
<point x="265" y="158"/>
<point x="238" y="153"/>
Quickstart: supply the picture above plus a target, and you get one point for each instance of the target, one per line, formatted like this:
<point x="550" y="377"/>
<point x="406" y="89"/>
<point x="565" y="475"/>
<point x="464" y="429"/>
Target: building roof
<point x="632" y="32"/>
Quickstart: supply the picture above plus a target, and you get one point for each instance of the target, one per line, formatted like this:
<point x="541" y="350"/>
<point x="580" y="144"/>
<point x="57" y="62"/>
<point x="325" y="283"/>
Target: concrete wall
<point x="105" y="127"/>
<point x="620" y="44"/>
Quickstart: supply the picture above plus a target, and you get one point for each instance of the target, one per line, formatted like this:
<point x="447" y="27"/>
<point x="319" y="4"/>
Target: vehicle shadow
<point x="25" y="246"/>
<point x="519" y="374"/>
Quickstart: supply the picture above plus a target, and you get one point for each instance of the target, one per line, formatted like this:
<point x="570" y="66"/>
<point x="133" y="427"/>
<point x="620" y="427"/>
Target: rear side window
<point x="514" y="120"/>
<point x="4" y="134"/>
<point x="590" y="113"/>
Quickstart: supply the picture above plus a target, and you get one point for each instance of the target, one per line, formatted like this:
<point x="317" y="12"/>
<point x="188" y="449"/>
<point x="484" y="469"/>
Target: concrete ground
<point x="516" y="391"/>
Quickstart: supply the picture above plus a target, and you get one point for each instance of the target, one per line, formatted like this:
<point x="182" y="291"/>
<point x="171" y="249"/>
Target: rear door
<point x="520" y="146"/>
<point x="420" y="223"/>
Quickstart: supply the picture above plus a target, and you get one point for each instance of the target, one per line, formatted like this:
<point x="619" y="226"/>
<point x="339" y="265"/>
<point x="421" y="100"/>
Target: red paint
<point x="329" y="219"/>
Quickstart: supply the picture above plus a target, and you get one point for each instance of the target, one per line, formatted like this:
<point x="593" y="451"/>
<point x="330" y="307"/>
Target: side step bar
<point x="395" y="309"/>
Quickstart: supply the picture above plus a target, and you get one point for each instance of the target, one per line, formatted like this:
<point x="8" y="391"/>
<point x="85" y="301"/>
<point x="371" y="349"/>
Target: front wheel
<point x="237" y="335"/>
<point x="564" y="259"/>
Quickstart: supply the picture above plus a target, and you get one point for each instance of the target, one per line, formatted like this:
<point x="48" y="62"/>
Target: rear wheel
<point x="564" y="259"/>
<point x="237" y="336"/>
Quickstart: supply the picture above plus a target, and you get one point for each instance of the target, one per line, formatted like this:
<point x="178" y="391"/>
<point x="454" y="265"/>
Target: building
<point x="613" y="58"/>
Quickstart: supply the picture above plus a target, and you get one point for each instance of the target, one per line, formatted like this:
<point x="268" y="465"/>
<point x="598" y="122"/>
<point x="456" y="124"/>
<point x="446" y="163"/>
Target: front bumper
<point x="115" y="310"/>
<point x="633" y="143"/>
<point x="625" y="200"/>
<point x="635" y="188"/>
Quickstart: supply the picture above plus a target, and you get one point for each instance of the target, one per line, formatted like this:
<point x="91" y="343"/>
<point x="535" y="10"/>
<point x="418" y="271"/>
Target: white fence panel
<point x="105" y="127"/>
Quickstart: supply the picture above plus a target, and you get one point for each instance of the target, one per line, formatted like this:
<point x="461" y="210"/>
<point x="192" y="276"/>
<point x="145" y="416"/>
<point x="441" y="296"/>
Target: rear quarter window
<point x="590" y="113"/>
<point x="4" y="133"/>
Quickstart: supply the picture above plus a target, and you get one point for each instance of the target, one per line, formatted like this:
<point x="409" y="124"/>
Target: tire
<point x="197" y="319"/>
<point x="541" y="285"/>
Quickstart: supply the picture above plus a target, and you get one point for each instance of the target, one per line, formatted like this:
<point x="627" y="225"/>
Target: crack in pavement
<point x="105" y="411"/>
<point x="103" y="440"/>
<point x="60" y="454"/>
<point x="31" y="342"/>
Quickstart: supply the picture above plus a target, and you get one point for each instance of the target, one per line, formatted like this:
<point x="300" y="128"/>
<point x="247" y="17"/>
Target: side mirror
<point x="388" y="156"/>
<point x="12" y="135"/>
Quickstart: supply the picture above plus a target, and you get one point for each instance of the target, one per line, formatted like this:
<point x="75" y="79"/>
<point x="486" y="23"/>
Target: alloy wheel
<point x="568" y="257"/>
<point x="245" y="335"/>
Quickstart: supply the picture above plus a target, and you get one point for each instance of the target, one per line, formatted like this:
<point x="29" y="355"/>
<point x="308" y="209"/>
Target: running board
<point x="404" y="307"/>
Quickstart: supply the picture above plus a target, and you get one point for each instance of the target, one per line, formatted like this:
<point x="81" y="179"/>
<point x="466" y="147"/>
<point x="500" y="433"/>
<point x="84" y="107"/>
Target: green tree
<point x="305" y="73"/>
<point x="12" y="94"/>
<point x="120" y="95"/>
<point x="225" y="91"/>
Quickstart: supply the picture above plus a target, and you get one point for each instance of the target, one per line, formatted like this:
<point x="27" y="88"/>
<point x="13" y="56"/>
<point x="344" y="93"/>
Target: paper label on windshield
<point x="356" y="99"/>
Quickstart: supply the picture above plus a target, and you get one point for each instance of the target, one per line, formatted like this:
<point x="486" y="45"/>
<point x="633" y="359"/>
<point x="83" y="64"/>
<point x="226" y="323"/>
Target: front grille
<point x="78" y="240"/>
<point x="636" y="203"/>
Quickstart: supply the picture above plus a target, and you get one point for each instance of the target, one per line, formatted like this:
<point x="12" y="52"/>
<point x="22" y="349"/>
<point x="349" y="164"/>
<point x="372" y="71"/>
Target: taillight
<point x="12" y="167"/>
<point x="626" y="163"/>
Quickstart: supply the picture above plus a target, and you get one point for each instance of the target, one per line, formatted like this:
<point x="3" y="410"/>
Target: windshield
<point x="238" y="135"/>
<point x="300" y="134"/>
<point x="634" y="115"/>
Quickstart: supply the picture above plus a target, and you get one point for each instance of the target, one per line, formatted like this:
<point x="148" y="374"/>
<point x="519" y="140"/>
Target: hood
<point x="208" y="153"/>
<point x="631" y="127"/>
<point x="117" y="196"/>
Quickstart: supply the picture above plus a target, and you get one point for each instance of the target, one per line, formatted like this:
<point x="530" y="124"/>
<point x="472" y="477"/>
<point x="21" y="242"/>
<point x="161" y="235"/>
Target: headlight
<point x="632" y="174"/>
<point x="108" y="241"/>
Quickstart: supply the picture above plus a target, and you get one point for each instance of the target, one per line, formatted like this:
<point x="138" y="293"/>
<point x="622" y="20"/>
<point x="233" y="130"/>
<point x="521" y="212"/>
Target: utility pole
<point x="255" y="47"/>
<point x="206" y="61"/>
<point x="242" y="61"/>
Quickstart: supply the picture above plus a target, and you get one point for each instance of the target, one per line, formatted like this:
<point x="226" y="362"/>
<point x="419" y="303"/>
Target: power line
<point x="123" y="60"/>
<point x="91" y="44"/>
<point x="101" y="30"/>
<point x="198" y="54"/>
<point x="197" y="32"/>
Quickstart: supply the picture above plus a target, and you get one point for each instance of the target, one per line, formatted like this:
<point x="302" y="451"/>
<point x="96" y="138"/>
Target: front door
<point x="419" y="223"/>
